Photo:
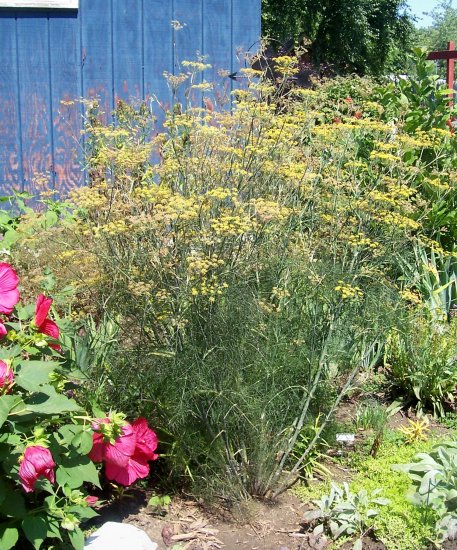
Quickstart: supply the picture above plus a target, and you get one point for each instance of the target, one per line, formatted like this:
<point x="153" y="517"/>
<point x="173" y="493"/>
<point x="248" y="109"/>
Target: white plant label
<point x="345" y="438"/>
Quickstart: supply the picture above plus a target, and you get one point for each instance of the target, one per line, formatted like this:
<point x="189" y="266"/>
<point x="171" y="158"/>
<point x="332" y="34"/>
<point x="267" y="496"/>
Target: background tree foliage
<point x="364" y="36"/>
<point x="443" y="28"/>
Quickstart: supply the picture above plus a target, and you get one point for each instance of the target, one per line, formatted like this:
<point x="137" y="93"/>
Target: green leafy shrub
<point x="434" y="488"/>
<point x="434" y="275"/>
<point x="48" y="443"/>
<point x="354" y="35"/>
<point x="371" y="415"/>
<point x="418" y="100"/>
<point x="421" y="363"/>
<point x="345" y="513"/>
<point x="45" y="437"/>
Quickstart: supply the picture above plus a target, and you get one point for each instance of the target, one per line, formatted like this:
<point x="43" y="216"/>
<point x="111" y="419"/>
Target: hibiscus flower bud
<point x="36" y="462"/>
<point x="6" y="378"/>
<point x="91" y="500"/>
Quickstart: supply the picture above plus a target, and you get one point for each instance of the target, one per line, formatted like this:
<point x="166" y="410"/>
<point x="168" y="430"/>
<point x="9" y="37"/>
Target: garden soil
<point x="253" y="526"/>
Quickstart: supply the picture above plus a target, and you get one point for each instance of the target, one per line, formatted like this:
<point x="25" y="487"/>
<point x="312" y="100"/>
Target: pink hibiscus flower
<point x="118" y="452"/>
<point x="6" y="378"/>
<point x="37" y="462"/>
<point x="126" y="460"/>
<point x="97" y="452"/>
<point x="45" y="325"/>
<point x="3" y="330"/>
<point x="9" y="294"/>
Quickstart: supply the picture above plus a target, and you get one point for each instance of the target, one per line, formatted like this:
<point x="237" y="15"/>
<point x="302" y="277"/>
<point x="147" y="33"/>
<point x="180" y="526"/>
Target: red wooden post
<point x="450" y="55"/>
<point x="450" y="68"/>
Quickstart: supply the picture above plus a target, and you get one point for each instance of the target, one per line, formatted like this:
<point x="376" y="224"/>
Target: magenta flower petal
<point x="43" y="305"/>
<point x="51" y="329"/>
<point x="6" y="378"/>
<point x="9" y="294"/>
<point x="3" y="331"/>
<point x="122" y="449"/>
<point x="136" y="468"/>
<point x="147" y="439"/>
<point x="37" y="462"/>
<point x="97" y="453"/>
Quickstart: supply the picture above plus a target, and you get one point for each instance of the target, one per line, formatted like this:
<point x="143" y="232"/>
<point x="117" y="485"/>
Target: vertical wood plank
<point x="97" y="53"/>
<point x="64" y="48"/>
<point x="158" y="53"/>
<point x="188" y="42"/>
<point x="127" y="49"/>
<point x="34" y="95"/>
<point x="217" y="47"/>
<point x="450" y="66"/>
<point x="10" y="134"/>
<point x="245" y="30"/>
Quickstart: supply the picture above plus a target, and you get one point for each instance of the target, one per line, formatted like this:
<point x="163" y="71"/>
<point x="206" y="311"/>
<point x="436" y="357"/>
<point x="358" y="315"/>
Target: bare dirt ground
<point x="259" y="525"/>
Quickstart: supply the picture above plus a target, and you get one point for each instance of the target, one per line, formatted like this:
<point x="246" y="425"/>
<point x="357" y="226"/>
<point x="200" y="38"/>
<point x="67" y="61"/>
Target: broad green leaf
<point x="32" y="375"/>
<point x="67" y="433"/>
<point x="76" y="538"/>
<point x="51" y="218"/>
<point x="9" y="238"/>
<point x="84" y="513"/>
<point x="36" y="529"/>
<point x="74" y="472"/>
<point x="76" y="436"/>
<point x="50" y="403"/>
<point x="7" y="403"/>
<point x="83" y="442"/>
<point x="25" y="312"/>
<point x="13" y="505"/>
<point x="53" y="529"/>
<point x="8" y="537"/>
<point x="10" y="353"/>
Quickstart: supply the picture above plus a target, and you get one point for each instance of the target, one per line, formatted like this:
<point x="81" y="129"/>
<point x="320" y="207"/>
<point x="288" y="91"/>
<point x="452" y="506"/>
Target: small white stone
<point x="119" y="536"/>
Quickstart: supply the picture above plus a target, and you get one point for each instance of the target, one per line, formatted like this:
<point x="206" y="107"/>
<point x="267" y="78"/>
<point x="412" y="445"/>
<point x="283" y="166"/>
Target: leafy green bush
<point x="345" y="513"/>
<point x="433" y="274"/>
<point x="418" y="100"/>
<point x="421" y="359"/>
<point x="354" y="35"/>
<point x="48" y="443"/>
<point x="44" y="435"/>
<point x="434" y="489"/>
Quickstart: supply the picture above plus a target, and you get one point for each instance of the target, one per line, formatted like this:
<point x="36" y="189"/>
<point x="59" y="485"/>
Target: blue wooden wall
<point x="110" y="49"/>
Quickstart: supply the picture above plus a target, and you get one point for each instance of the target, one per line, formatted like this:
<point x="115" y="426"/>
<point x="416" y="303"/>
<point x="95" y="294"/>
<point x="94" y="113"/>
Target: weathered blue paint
<point x="110" y="49"/>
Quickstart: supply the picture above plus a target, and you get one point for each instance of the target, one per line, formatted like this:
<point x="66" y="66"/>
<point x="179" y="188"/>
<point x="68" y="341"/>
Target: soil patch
<point x="254" y="525"/>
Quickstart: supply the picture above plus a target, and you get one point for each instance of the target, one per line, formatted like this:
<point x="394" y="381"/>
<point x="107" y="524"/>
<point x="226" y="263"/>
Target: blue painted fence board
<point x="109" y="49"/>
<point x="10" y="128"/>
